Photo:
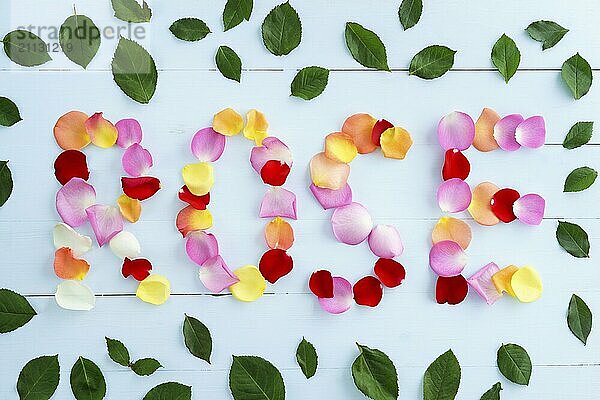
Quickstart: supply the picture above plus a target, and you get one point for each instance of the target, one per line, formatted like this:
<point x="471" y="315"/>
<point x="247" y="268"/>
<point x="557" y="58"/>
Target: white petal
<point x="125" y="245"/>
<point x="65" y="236"/>
<point x="74" y="295"/>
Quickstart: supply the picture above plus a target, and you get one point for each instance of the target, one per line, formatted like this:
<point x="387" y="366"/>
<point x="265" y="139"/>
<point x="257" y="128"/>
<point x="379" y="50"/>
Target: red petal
<point x="71" y="164"/>
<point x="198" y="202"/>
<point x="275" y="264"/>
<point x="321" y="284"/>
<point x="391" y="273"/>
<point x="380" y="126"/>
<point x="141" y="188"/>
<point x="456" y="165"/>
<point x="502" y="204"/>
<point x="274" y="172"/>
<point x="139" y="268"/>
<point x="368" y="291"/>
<point x="452" y="290"/>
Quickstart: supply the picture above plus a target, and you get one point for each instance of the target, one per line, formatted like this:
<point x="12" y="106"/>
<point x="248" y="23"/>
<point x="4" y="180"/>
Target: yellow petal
<point x="189" y="219"/>
<point x="340" y="147"/>
<point x="256" y="126"/>
<point x="527" y="284"/>
<point x="480" y="207"/>
<point x="502" y="279"/>
<point x="484" y="130"/>
<point x="228" y="122"/>
<point x="198" y="177"/>
<point x="395" y="143"/>
<point x="102" y="132"/>
<point x="449" y="228"/>
<point x="251" y="285"/>
<point x="155" y="289"/>
<point x="328" y="173"/>
<point x="131" y="209"/>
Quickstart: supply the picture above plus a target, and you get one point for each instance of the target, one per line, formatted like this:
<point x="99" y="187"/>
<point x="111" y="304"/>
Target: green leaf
<point x="169" y="391"/>
<point x="132" y="11"/>
<point x="282" y="30"/>
<point x="514" y="363"/>
<point x="442" y="378"/>
<point x="15" y="310"/>
<point x="134" y="71"/>
<point x="39" y="378"/>
<point x="374" y="374"/>
<point x="25" y="48"/>
<point x="306" y="355"/>
<point x="573" y="239"/>
<point x="79" y="39"/>
<point x="228" y="63"/>
<point x="579" y="318"/>
<point x="506" y="57"/>
<point x="580" y="179"/>
<point x="578" y="135"/>
<point x="432" y="62"/>
<point x="366" y="47"/>
<point x="254" y="378"/>
<point x="118" y="352"/>
<point x="197" y="338"/>
<point x="410" y="12"/>
<point x="189" y="29"/>
<point x="6" y="188"/>
<point x="493" y="393"/>
<point x="9" y="112"/>
<point x="87" y="381"/>
<point x="145" y="366"/>
<point x="577" y="74"/>
<point x="310" y="82"/>
<point x="235" y="12"/>
<point x="547" y="32"/>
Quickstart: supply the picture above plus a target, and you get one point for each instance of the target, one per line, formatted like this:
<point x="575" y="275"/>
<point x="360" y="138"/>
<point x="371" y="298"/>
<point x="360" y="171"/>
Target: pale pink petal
<point x="329" y="198"/>
<point x="505" y="131"/>
<point x="454" y="195"/>
<point x="531" y="132"/>
<point x="481" y="281"/>
<point x="529" y="209"/>
<point x="385" y="241"/>
<point x="215" y="275"/>
<point x="106" y="222"/>
<point x="447" y="258"/>
<point x="351" y="224"/>
<point x="278" y="202"/>
<point x="130" y="132"/>
<point x="136" y="161"/>
<point x="208" y="145"/>
<point x="342" y="297"/>
<point x="200" y="246"/>
<point x="72" y="199"/>
<point x="271" y="149"/>
<point x="456" y="131"/>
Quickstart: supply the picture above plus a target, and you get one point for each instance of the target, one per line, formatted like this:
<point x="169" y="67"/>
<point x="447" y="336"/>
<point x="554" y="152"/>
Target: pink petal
<point x="215" y="275"/>
<point x="329" y="198"/>
<point x="72" y="199"/>
<point x="447" y="258"/>
<point x="136" y="161"/>
<point x="531" y="132"/>
<point x="481" y="281"/>
<point x="456" y="131"/>
<point x="385" y="241"/>
<point x="342" y="297"/>
<point x="529" y="209"/>
<point x="208" y="145"/>
<point x="200" y="246"/>
<point x="351" y="224"/>
<point x="454" y="195"/>
<point x="278" y="202"/>
<point x="271" y="149"/>
<point x="130" y="132"/>
<point x="505" y="130"/>
<point x="106" y="222"/>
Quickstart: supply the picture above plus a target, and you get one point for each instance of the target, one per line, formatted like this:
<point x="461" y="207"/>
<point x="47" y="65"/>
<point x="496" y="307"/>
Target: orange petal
<point x="340" y="147"/>
<point x="480" y="207"/>
<point x="189" y="219"/>
<point x="502" y="279"/>
<point x="69" y="131"/>
<point x="484" y="130"/>
<point x="449" y="228"/>
<point x="102" y="132"/>
<point x="256" y="126"/>
<point x="131" y="209"/>
<point x="360" y="129"/>
<point x="66" y="266"/>
<point x="328" y="173"/>
<point x="279" y="234"/>
<point x="228" y="122"/>
<point x="395" y="143"/>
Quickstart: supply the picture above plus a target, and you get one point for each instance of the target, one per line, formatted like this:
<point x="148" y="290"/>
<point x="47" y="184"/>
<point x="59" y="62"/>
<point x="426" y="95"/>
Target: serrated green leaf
<point x="282" y="30"/>
<point x="410" y="12"/>
<point x="9" y="112"/>
<point x="442" y="378"/>
<point x="145" y="366"/>
<point x="506" y="57"/>
<point x="307" y="358"/>
<point x="254" y="378"/>
<point x="578" y="135"/>
<point x="169" y="391"/>
<point x="577" y="74"/>
<point x="514" y="363"/>
<point x="79" y="39"/>
<point x="197" y="338"/>
<point x="573" y="239"/>
<point x="310" y="82"/>
<point x="229" y="63"/>
<point x="235" y="12"/>
<point x="366" y="47"/>
<point x="432" y="62"/>
<point x="132" y="11"/>
<point x="25" y="48"/>
<point x="87" y="381"/>
<point x="374" y="374"/>
<point x="39" y="378"/>
<point x="493" y="393"/>
<point x="579" y="318"/>
<point x="189" y="29"/>
<point x="134" y="71"/>
<point x="580" y="179"/>
<point x="118" y="352"/>
<point x="547" y="32"/>
<point x="15" y="310"/>
<point x="6" y="188"/>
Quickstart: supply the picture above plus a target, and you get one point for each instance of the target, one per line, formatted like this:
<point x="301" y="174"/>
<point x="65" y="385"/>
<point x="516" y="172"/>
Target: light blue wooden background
<point x="408" y="325"/>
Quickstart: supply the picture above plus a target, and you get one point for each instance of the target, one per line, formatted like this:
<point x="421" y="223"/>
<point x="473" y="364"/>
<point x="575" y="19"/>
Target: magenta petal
<point x="447" y="258"/>
<point x="529" y="209"/>
<point x="342" y="297"/>
<point x="136" y="161"/>
<point x="200" y="246"/>
<point x="208" y="145"/>
<point x="505" y="131"/>
<point x="215" y="275"/>
<point x="329" y="198"/>
<point x="385" y="241"/>
<point x="456" y="131"/>
<point x="482" y="282"/>
<point x="271" y="149"/>
<point x="351" y="224"/>
<point x="130" y="132"/>
<point x="106" y="222"/>
<point x="454" y="195"/>
<point x="278" y="202"/>
<point x="72" y="199"/>
<point x="531" y="132"/>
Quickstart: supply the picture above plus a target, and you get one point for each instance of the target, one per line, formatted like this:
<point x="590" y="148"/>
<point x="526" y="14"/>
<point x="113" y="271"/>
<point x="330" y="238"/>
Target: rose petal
<point x="102" y="132"/>
<point x="342" y="297"/>
<point x="454" y="195"/>
<point x="200" y="246"/>
<point x="228" y="122"/>
<point x="131" y="209"/>
<point x="380" y="126"/>
<point x="215" y="275"/>
<point x="456" y="165"/>
<point x="527" y="284"/>
<point x="340" y="147"/>
<point x="155" y="289"/>
<point x="271" y="149"/>
<point x="505" y="130"/>
<point x="278" y="202"/>
<point x="198" y="202"/>
<point x="189" y="219"/>
<point x="275" y="264"/>
<point x="327" y="173"/>
<point x="251" y="285"/>
<point x="125" y="245"/>
<point x="208" y="145"/>
<point x="449" y="228"/>
<point x="72" y="200"/>
<point x="360" y="128"/>
<point x="368" y="291"/>
<point x="329" y="198"/>
<point x="502" y="279"/>
<point x="75" y="296"/>
<point x="129" y="132"/>
<point x="66" y="266"/>
<point x="502" y="204"/>
<point x="69" y="131"/>
<point x="385" y="241"/>
<point x="199" y="178"/>
<point x="279" y="234"/>
<point x="139" y="269"/>
<point x="140" y="188"/>
<point x="531" y="132"/>
<point x="321" y="284"/>
<point x="480" y="207"/>
<point x="484" y="130"/>
<point x="274" y="173"/>
<point x="391" y="273"/>
<point x="529" y="209"/>
<point x="452" y="290"/>
<point x="447" y="258"/>
<point x="256" y="126"/>
<point x="481" y="281"/>
<point x="351" y="224"/>
<point x="456" y="131"/>
<point x="395" y="143"/>
<point x="136" y="160"/>
<point x="71" y="164"/>
<point x="106" y="222"/>
<point x="65" y="236"/>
